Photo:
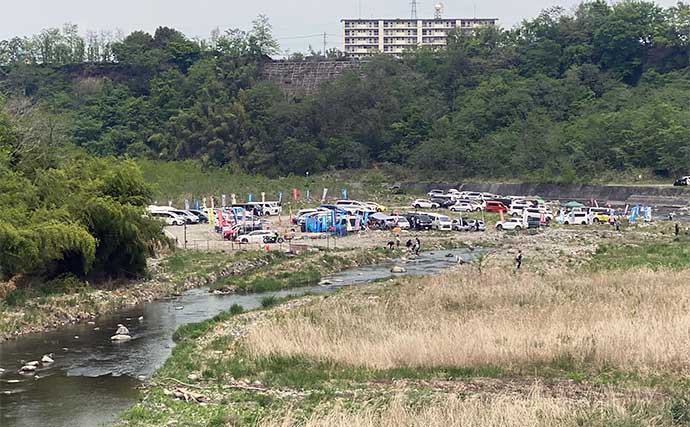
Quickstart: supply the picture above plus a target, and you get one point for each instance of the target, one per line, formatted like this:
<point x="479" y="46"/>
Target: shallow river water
<point x="93" y="380"/>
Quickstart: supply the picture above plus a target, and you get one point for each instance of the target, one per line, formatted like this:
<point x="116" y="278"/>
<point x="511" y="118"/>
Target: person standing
<point x="518" y="260"/>
<point x="397" y="241"/>
<point x="417" y="246"/>
<point x="677" y="229"/>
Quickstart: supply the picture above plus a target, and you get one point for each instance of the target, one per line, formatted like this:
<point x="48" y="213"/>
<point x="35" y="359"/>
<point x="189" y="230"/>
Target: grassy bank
<point x="38" y="306"/>
<point x="306" y="269"/>
<point x="563" y="347"/>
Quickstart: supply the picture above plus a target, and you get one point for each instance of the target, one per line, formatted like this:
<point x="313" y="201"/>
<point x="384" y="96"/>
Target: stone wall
<point x="299" y="78"/>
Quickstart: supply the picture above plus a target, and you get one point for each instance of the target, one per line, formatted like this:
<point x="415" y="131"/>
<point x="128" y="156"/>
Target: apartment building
<point x="367" y="37"/>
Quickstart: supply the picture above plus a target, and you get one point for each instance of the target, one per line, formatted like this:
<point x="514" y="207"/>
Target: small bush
<point x="269" y="301"/>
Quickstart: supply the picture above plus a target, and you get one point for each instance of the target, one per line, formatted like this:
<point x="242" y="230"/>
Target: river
<point x="93" y="380"/>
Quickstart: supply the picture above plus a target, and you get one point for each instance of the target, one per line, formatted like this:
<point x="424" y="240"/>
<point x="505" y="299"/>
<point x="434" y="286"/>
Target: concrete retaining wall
<point x="299" y="78"/>
<point x="665" y="196"/>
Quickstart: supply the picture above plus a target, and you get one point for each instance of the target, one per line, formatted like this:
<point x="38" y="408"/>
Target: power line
<point x="310" y="36"/>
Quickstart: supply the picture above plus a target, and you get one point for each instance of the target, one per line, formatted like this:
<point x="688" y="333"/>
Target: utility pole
<point x="324" y="44"/>
<point x="413" y="9"/>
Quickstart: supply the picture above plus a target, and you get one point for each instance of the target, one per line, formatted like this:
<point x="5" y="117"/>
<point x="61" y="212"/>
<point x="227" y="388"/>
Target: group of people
<point x="413" y="246"/>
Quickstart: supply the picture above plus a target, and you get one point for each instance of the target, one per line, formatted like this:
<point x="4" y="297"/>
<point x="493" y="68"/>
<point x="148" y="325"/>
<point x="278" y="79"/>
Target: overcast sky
<point x="295" y="22"/>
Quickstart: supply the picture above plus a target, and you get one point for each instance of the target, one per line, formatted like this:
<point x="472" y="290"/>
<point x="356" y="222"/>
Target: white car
<point x="255" y="236"/>
<point x="348" y="203"/>
<point x="169" y="217"/>
<point x="424" y="203"/>
<point x="473" y="195"/>
<point x="465" y="207"/>
<point x="399" y="221"/>
<point x="516" y="224"/>
<point x="435" y="193"/>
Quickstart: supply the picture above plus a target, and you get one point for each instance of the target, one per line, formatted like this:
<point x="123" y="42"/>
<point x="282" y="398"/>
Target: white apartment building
<point x="367" y="37"/>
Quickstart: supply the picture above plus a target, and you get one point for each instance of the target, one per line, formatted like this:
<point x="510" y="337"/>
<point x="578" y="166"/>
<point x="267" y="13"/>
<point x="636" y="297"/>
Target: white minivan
<point x="440" y="222"/>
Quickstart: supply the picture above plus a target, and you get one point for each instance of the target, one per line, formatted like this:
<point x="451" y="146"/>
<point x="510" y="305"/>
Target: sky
<point x="297" y="24"/>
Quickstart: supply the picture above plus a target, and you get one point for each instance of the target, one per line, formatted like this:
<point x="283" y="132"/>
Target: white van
<point x="440" y="222"/>
<point x="577" y="217"/>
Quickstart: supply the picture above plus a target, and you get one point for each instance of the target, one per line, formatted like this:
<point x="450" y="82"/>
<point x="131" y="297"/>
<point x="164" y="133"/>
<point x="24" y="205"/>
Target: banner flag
<point x="295" y="194"/>
<point x="223" y="200"/>
<point x="186" y="204"/>
<point x="280" y="197"/>
<point x="211" y="218"/>
<point x="323" y="197"/>
<point x="343" y="193"/>
<point x="196" y="204"/>
<point x="308" y="196"/>
<point x="213" y="203"/>
<point x="263" y="197"/>
<point x="233" y="198"/>
<point x="249" y="197"/>
<point x="503" y="219"/>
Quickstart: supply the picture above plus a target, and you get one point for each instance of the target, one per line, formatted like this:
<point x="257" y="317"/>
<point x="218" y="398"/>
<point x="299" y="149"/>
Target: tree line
<point x="64" y="214"/>
<point x="562" y="96"/>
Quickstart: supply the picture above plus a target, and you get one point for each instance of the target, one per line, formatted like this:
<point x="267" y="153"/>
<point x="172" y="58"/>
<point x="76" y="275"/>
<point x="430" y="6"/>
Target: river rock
<point x="120" y="337"/>
<point x="179" y="307"/>
<point x="193" y="377"/>
<point x="47" y="358"/>
<point x="325" y="283"/>
<point x="398" y="269"/>
<point x="33" y="363"/>
<point x="27" y="369"/>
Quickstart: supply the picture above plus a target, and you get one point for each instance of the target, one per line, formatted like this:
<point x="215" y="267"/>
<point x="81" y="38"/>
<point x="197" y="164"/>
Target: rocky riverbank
<point x="43" y="313"/>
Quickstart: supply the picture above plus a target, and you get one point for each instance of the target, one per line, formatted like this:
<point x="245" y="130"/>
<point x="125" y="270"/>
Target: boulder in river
<point x="33" y="363"/>
<point x="27" y="369"/>
<point x="47" y="359"/>
<point x="120" y="337"/>
<point x="398" y="269"/>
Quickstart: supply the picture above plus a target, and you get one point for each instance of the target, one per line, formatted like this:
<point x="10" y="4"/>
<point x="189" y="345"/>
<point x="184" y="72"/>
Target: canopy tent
<point x="572" y="205"/>
<point x="381" y="216"/>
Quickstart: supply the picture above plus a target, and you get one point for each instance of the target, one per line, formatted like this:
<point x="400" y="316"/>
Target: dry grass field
<point x="636" y="320"/>
<point x="505" y="411"/>
<point x="601" y="342"/>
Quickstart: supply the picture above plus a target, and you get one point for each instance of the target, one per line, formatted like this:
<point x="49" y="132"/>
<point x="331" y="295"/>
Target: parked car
<point x="440" y="222"/>
<point x="682" y="181"/>
<point x="232" y="232"/>
<point x="168" y="217"/>
<point x="444" y="202"/>
<point x="465" y="207"/>
<point x="424" y="203"/>
<point x="399" y="221"/>
<point x="577" y="217"/>
<point x="435" y="193"/>
<point x="477" y="225"/>
<point x="255" y="236"/>
<point x="495" y="206"/>
<point x="461" y="225"/>
<point x="376" y="206"/>
<point x="516" y="224"/>
<point x="600" y="214"/>
<point x="203" y="217"/>
<point x="189" y="217"/>
<point x="419" y="221"/>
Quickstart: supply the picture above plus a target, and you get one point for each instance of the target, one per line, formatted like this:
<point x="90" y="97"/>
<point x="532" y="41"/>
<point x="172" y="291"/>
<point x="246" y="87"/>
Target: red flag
<point x="295" y="194"/>
<point x="503" y="218"/>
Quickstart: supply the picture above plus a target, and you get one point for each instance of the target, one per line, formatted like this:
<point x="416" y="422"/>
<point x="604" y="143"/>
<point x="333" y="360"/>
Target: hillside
<point x="564" y="96"/>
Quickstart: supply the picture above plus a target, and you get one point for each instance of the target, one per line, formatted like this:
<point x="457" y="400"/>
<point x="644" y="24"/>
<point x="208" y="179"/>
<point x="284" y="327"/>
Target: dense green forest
<point x="559" y="97"/>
